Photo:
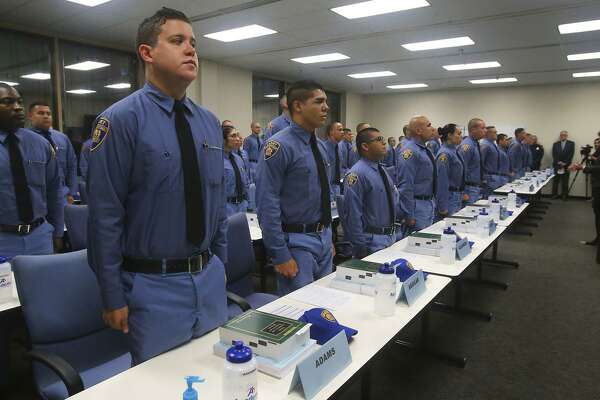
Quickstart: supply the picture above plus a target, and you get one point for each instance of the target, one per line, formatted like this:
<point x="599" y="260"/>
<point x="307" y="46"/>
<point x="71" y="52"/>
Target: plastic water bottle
<point x="495" y="209"/>
<point x="385" y="291"/>
<point x="483" y="222"/>
<point x="448" y="250"/>
<point x="6" y="288"/>
<point x="240" y="377"/>
<point x="512" y="200"/>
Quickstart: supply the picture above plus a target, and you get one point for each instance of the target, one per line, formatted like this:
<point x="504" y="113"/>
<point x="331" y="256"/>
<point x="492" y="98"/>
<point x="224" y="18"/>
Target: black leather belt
<point x="388" y="230"/>
<point x="236" y="200"/>
<point x="191" y="265"/>
<point x="476" y="184"/>
<point x="423" y="197"/>
<point x="255" y="161"/>
<point x="304" y="228"/>
<point x="489" y="173"/>
<point x="24" y="229"/>
<point x="456" y="189"/>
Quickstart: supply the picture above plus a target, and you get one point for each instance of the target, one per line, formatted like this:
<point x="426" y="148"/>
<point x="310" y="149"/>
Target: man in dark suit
<point x="537" y="153"/>
<point x="562" y="157"/>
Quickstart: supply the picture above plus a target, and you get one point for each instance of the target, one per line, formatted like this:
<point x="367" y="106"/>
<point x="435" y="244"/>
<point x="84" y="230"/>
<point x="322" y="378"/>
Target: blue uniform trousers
<point x="424" y="214"/>
<point x="166" y="311"/>
<point x="455" y="202"/>
<point x="493" y="183"/>
<point x="252" y="166"/>
<point x="474" y="193"/>
<point x="38" y="242"/>
<point x="314" y="256"/>
<point x="231" y="208"/>
<point x="379" y="242"/>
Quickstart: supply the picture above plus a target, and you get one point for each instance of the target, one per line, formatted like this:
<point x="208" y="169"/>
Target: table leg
<point x="494" y="261"/>
<point x="485" y="282"/>
<point x="457" y="307"/>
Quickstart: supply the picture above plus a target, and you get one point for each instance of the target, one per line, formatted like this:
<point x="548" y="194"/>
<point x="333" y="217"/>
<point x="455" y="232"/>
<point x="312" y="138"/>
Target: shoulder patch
<point x="466" y="148"/>
<point x="407" y="154"/>
<point x="443" y="157"/>
<point x="100" y="133"/>
<point x="271" y="148"/>
<point x="352" y="178"/>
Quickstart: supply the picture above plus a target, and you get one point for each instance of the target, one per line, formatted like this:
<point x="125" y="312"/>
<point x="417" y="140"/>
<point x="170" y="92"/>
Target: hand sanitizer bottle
<point x="385" y="291"/>
<point x="448" y="250"/>
<point x="495" y="209"/>
<point x="239" y="377"/>
<point x="512" y="200"/>
<point x="191" y="393"/>
<point x="483" y="220"/>
<point x="6" y="285"/>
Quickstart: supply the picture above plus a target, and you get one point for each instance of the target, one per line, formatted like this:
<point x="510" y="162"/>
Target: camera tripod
<point x="584" y="161"/>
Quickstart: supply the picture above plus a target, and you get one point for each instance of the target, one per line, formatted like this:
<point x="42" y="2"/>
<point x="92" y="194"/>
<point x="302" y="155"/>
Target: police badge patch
<point x="407" y="154"/>
<point x="100" y="133"/>
<point x="352" y="179"/>
<point x="327" y="315"/>
<point x="466" y="148"/>
<point x="443" y="158"/>
<point x="271" y="148"/>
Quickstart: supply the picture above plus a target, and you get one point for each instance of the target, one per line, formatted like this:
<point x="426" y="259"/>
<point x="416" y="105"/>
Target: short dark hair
<point x="446" y="131"/>
<point x="364" y="137"/>
<point x="226" y="131"/>
<point x="301" y="91"/>
<point x="329" y="127"/>
<point x="490" y="127"/>
<point x="405" y="129"/>
<point x="38" y="103"/>
<point x="519" y="130"/>
<point x="5" y="86"/>
<point x="501" y="136"/>
<point x="149" y="29"/>
<point x="361" y="126"/>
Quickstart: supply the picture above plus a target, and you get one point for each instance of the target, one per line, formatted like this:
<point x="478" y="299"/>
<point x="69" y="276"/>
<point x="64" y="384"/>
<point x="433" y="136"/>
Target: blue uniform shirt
<point x="278" y="124"/>
<point x="330" y="149"/>
<point x="349" y="155"/>
<point x="490" y="155"/>
<point x="527" y="157"/>
<point x="245" y="163"/>
<point x="504" y="162"/>
<point x="391" y="158"/>
<point x="415" y="173"/>
<point x="230" y="175"/>
<point x="84" y="157"/>
<point x="43" y="179"/>
<point x="451" y="175"/>
<point x="67" y="160"/>
<point x="434" y="146"/>
<point x="135" y="185"/>
<point x="287" y="188"/>
<point x="470" y="155"/>
<point x="252" y="145"/>
<point x="516" y="156"/>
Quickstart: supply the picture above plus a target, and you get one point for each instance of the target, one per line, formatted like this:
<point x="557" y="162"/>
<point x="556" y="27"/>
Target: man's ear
<point x="144" y="50"/>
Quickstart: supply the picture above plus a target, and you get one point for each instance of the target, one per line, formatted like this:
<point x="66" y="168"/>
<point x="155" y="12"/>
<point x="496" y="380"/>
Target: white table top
<point x="511" y="186"/>
<point x="162" y="377"/>
<point x="433" y="264"/>
<point x="14" y="302"/>
<point x="506" y="222"/>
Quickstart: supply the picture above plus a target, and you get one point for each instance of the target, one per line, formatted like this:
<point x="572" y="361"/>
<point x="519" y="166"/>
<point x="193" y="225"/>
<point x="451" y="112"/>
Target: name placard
<point x="319" y="368"/>
<point x="463" y="248"/>
<point x="412" y="288"/>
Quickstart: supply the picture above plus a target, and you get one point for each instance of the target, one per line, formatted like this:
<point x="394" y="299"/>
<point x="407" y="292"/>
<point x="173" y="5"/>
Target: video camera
<point x="586" y="150"/>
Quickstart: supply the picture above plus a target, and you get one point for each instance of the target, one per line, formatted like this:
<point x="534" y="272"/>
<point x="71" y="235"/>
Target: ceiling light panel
<point x="378" y="74"/>
<point x="497" y="80"/>
<point x="9" y="83"/>
<point x="576" y="27"/>
<point x="40" y="76"/>
<point x="119" y="86"/>
<point x="87" y="66"/>
<point x="89" y="3"/>
<point x="480" y="65"/>
<point x="439" y="44"/>
<point x="586" y="74"/>
<point x="409" y="86"/>
<point x="272" y="96"/>
<point x="81" y="91"/>
<point x="377" y="7"/>
<point x="583" y="56"/>
<point x="244" y="32"/>
<point x="321" y="58"/>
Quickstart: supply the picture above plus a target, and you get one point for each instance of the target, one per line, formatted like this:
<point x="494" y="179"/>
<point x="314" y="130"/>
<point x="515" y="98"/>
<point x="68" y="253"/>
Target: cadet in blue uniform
<point x="471" y="155"/>
<point x="490" y="158"/>
<point x="504" y="160"/>
<point x="434" y="144"/>
<point x="281" y="122"/>
<point x="516" y="154"/>
<point x="335" y="135"/>
<point x="293" y="193"/>
<point x="390" y="159"/>
<point x="41" y="122"/>
<point x="30" y="190"/>
<point x="371" y="200"/>
<point x="157" y="200"/>
<point x="417" y="175"/>
<point x="450" y="194"/>
<point x="240" y="152"/>
<point x="236" y="178"/>
<point x="528" y="158"/>
<point x="252" y="144"/>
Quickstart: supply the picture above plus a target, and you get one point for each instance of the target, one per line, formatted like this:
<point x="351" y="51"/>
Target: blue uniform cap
<point x="324" y="325"/>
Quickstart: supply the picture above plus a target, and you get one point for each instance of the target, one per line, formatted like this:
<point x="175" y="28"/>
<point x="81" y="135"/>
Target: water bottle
<point x="240" y="377"/>
<point x="448" y="250"/>
<point x="512" y="200"/>
<point x="483" y="222"/>
<point x="385" y="291"/>
<point x="6" y="289"/>
<point x="495" y="209"/>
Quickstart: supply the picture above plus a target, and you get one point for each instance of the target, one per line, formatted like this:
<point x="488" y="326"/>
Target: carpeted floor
<point x="541" y="344"/>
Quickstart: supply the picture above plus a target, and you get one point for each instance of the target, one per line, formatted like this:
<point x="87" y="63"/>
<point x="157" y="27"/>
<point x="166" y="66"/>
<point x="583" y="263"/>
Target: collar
<point x="302" y="133"/>
<point x="371" y="164"/>
<point x="418" y="141"/>
<point x="42" y="132"/>
<point x="4" y="135"/>
<point x="449" y="146"/>
<point x="286" y="117"/>
<point x="163" y="101"/>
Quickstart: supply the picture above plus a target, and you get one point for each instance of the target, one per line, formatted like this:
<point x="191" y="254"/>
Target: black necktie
<point x="257" y="143"/>
<point x="325" y="204"/>
<point x="394" y="155"/>
<point x="430" y="155"/>
<point x="22" y="193"/>
<point x="480" y="161"/>
<point x="192" y="184"/>
<point x="388" y="192"/>
<point x="238" y="177"/>
<point x="337" y="176"/>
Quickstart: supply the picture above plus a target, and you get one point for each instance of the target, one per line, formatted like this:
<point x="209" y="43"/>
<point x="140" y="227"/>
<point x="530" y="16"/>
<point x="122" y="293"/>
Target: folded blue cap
<point x="324" y="325"/>
<point x="404" y="269"/>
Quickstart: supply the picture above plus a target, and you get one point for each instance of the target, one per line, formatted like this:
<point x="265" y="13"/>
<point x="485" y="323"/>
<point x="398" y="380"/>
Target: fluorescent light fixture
<point x="81" y="91"/>
<point x="586" y="74"/>
<point x="480" y="65"/>
<point x="378" y="74"/>
<point x="498" y="80"/>
<point x="321" y="58"/>
<point x="119" y="86"/>
<point x="576" y="27"/>
<point x="40" y="76"/>
<point x="439" y="44"/>
<point x="272" y="96"/>
<point x="377" y="7"/>
<point x="583" y="56"/>
<point x="10" y="83"/>
<point x="89" y="3"/>
<point x="409" y="86"/>
<point x="87" y="66"/>
<point x="244" y="32"/>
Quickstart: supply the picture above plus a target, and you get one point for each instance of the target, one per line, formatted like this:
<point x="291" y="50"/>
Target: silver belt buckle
<point x="199" y="257"/>
<point x="320" y="227"/>
<point x="24" y="232"/>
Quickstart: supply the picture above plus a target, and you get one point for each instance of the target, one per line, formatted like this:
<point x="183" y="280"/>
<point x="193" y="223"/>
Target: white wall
<point x="353" y="110"/>
<point x="542" y="110"/>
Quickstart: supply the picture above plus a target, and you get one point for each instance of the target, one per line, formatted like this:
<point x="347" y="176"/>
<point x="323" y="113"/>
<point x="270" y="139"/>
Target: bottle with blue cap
<point x="512" y="200"/>
<point x="191" y="393"/>
<point x="495" y="209"/>
<point x="483" y="222"/>
<point x="448" y="249"/>
<point x="385" y="291"/>
<point x="6" y="285"/>
<point x="240" y="378"/>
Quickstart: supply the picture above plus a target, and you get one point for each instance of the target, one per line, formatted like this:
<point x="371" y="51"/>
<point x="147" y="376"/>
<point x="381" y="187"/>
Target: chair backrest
<point x="240" y="256"/>
<point x="61" y="303"/>
<point x="76" y="221"/>
<point x="83" y="192"/>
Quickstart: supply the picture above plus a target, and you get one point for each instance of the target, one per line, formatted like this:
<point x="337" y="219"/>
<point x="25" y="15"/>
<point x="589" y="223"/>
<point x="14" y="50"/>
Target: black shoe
<point x="592" y="243"/>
